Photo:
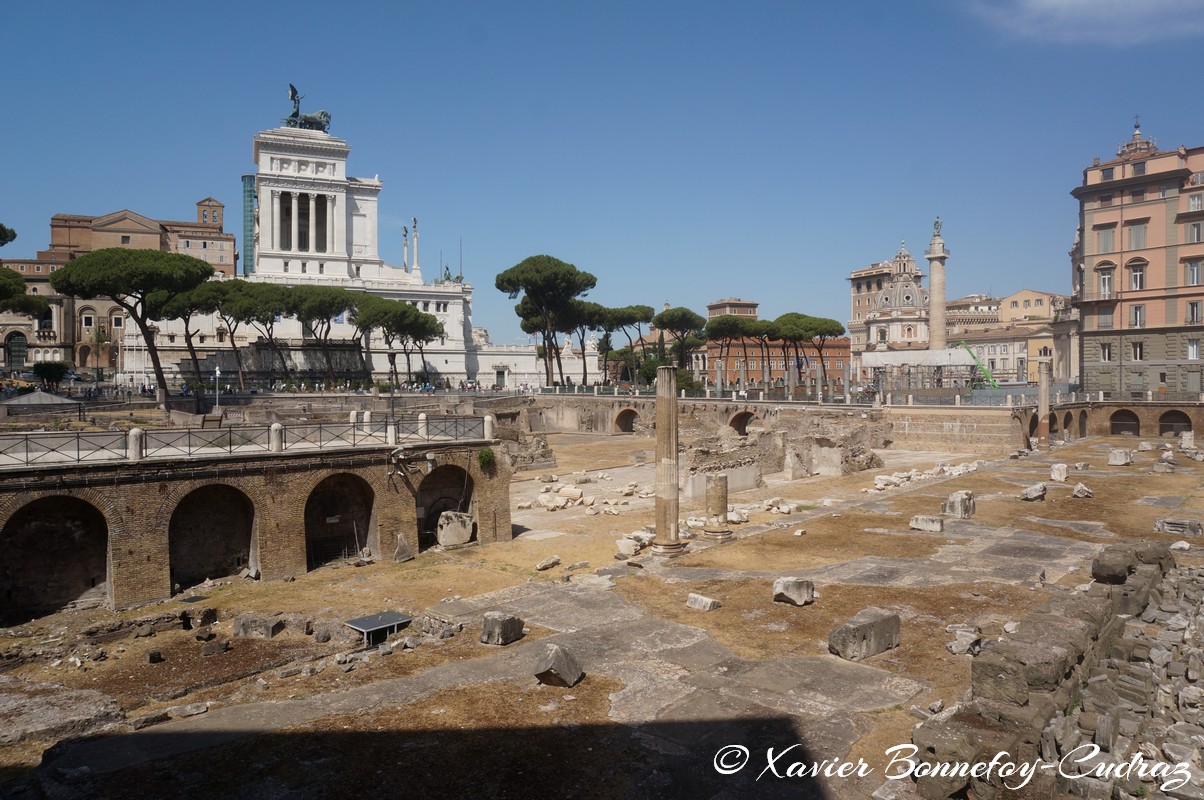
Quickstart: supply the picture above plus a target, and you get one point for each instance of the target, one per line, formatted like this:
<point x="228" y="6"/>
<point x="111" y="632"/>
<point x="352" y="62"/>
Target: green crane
<point x="981" y="367"/>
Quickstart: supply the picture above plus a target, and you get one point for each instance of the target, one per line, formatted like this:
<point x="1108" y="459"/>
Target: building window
<point x="426" y="306"/>
<point x="1003" y="349"/>
<point x="1106" y="174"/>
<point x="1103" y="240"/>
<point x="187" y="244"/>
<point x="1105" y="351"/>
<point x="1195" y="232"/>
<point x="1105" y="284"/>
<point x="1137" y="317"/>
<point x="1038" y="302"/>
<point x="1193" y="312"/>
<point x="991" y="349"/>
<point x="1137" y="278"/>
<point x="286" y="266"/>
<point x="1191" y="273"/>
<point x="88" y="321"/>
<point x="1139" y="351"/>
<point x="1105" y="200"/>
<point x="204" y="216"/>
<point x="171" y="338"/>
<point x="204" y="245"/>
<point x="840" y="363"/>
<point x="1105" y="318"/>
<point x="1195" y="202"/>
<point x="1137" y="195"/>
<point x="1139" y="168"/>
<point x="304" y="267"/>
<point x="125" y="240"/>
<point x="116" y="322"/>
<point x="1027" y="303"/>
<point x="1193" y="349"/>
<point x="37" y="267"/>
<point x="1137" y="237"/>
<point x="1162" y="191"/>
<point x="321" y="268"/>
<point x="221" y="259"/>
<point x="1015" y="304"/>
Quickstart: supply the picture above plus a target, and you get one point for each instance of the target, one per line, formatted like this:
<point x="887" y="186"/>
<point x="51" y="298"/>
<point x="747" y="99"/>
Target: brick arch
<point x="340" y="517"/>
<point x="203" y="545"/>
<point x="176" y="492"/>
<point x="625" y="419"/>
<point x="1084" y="422"/>
<point x="57" y="554"/>
<point x="1174" y="421"/>
<point x="1124" y="420"/>
<point x="739" y="421"/>
<point x="1068" y="425"/>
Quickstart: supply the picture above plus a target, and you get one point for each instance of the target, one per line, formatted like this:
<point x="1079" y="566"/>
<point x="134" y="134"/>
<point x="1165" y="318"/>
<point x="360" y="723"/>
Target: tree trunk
<point x="196" y="368"/>
<point x="149" y="339"/>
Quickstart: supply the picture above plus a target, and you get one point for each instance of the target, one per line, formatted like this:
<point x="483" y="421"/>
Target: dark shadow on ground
<point x="656" y="760"/>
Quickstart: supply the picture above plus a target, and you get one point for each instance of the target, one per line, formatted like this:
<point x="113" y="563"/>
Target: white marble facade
<point x="314" y="225"/>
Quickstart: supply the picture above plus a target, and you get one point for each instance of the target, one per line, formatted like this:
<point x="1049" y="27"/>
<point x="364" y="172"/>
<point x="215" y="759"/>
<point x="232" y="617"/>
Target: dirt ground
<point x="430" y="737"/>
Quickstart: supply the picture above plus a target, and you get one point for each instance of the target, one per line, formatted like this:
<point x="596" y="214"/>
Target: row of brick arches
<point x="1075" y="423"/>
<point x="627" y="420"/>
<point x="57" y="548"/>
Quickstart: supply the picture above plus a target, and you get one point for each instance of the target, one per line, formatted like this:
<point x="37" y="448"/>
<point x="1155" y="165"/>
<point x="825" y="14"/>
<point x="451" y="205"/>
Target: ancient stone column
<point x="1044" y="373"/>
<point x="936" y="256"/>
<point x="311" y="225"/>
<point x="294" y="223"/>
<point x="666" y="541"/>
<point x="716" y="527"/>
<point x="275" y="220"/>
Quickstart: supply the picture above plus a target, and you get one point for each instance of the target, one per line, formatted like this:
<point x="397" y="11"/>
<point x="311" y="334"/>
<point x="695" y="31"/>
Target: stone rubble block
<point x="1059" y="472"/>
<point x="571" y="492"/>
<point x="454" y="528"/>
<point x="251" y="626"/>
<point x="960" y="505"/>
<point x="1082" y="466"/>
<point x="869" y="632"/>
<point x="1178" y="527"/>
<point x="1113" y="565"/>
<point x="701" y="602"/>
<point x="500" y="628"/>
<point x="628" y="547"/>
<point x="1035" y="492"/>
<point x="795" y="591"/>
<point x="1082" y="491"/>
<point x="1162" y="468"/>
<point x="1145" y="447"/>
<point x="547" y="563"/>
<point x="927" y="522"/>
<point x="1119" y="458"/>
<point x="557" y="666"/>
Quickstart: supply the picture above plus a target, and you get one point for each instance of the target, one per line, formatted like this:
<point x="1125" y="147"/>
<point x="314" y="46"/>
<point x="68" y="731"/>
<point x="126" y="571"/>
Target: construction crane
<point x="994" y="384"/>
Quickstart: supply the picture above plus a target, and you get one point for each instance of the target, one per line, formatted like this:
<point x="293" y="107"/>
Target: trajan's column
<point x="936" y="256"/>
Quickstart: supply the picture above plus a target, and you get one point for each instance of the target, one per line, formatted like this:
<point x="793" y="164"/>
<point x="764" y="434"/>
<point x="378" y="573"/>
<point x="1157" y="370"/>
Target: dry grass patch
<point x="487" y="740"/>
<point x="830" y="539"/>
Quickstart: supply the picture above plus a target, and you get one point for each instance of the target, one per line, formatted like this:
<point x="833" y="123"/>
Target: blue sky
<point x="682" y="151"/>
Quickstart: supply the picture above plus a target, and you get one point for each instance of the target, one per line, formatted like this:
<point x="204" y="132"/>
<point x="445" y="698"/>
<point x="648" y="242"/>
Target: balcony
<point x="1100" y="296"/>
<point x="1193" y="319"/>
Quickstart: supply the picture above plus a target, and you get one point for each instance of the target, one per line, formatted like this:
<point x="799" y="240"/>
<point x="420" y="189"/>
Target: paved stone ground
<point x="677" y="673"/>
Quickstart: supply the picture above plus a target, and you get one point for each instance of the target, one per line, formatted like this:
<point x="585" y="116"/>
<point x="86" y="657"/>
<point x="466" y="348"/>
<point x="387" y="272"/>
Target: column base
<point x="717" y="535"/>
<point x="668" y="549"/>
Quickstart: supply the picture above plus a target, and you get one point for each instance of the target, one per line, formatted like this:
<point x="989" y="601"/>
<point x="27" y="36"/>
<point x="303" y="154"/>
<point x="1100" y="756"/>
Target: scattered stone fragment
<point x="1180" y="545"/>
<point x="547" y="563"/>
<point x="288" y="672"/>
<point x="190" y="710"/>
<point x="1059" y="472"/>
<point x="1178" y="527"/>
<point x="1162" y="467"/>
<point x="558" y="667"/>
<point x="1113" y="565"/>
<point x="1082" y="466"/>
<point x="146" y="720"/>
<point x="796" y="591"/>
<point x="1119" y="458"/>
<point x="960" y="505"/>
<point x="250" y="626"/>
<point x="1081" y="491"/>
<point x="1145" y="447"/>
<point x="701" y="602"/>
<point x="927" y="522"/>
<point x="215" y="647"/>
<point x="154" y="657"/>
<point x="500" y="628"/>
<point x="1034" y="492"/>
<point x="869" y="632"/>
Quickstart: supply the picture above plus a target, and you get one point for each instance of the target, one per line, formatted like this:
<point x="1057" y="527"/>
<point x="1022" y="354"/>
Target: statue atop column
<point x="309" y="122"/>
<point x="936" y="227"/>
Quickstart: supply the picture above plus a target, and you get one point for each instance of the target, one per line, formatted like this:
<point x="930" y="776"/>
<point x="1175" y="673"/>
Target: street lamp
<point x="217" y="389"/>
<point x="98" y="340"/>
